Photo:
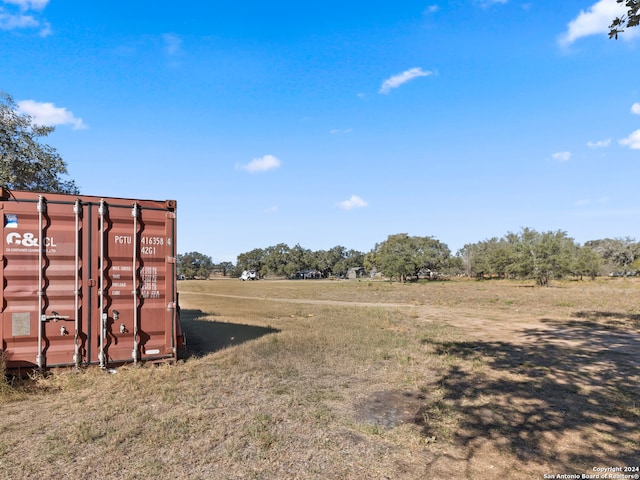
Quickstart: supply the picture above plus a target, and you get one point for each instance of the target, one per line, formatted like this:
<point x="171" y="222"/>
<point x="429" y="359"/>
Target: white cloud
<point x="594" y="21"/>
<point x="562" y="156"/>
<point x="28" y="4"/>
<point x="432" y="9"/>
<point x="271" y="210"/>
<point x="172" y="44"/>
<point x="45" y="31"/>
<point x="354" y="202"/>
<point x="585" y="201"/>
<point x="599" y="143"/>
<point x="14" y="20"/>
<point x="337" y="131"/>
<point x="45" y="113"/>
<point x="262" y="164"/>
<point x="635" y="108"/>
<point x="488" y="3"/>
<point x="632" y="141"/>
<point x="396" y="80"/>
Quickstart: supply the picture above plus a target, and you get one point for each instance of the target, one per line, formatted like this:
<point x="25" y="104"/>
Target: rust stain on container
<point x="87" y="280"/>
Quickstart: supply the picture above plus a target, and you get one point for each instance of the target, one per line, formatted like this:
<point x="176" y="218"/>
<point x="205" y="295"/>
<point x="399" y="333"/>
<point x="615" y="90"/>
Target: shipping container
<point x="87" y="280"/>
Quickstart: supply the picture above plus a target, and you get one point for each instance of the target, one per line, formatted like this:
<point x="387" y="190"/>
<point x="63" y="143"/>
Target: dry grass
<point x="284" y="379"/>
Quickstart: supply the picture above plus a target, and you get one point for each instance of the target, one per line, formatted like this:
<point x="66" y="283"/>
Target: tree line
<point x="543" y="256"/>
<point x="275" y="261"/>
<point x="528" y="254"/>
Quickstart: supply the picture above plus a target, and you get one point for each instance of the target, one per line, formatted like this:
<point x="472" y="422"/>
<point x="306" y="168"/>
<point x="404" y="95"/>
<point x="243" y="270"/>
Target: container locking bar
<point x="42" y="209"/>
<point x="77" y="358"/>
<point x="135" y="211"/>
<point x="102" y="211"/>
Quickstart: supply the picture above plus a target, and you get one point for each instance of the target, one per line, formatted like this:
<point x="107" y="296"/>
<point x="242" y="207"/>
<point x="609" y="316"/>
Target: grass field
<point x="353" y="380"/>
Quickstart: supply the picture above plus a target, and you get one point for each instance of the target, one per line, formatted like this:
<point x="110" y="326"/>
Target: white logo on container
<point x="28" y="240"/>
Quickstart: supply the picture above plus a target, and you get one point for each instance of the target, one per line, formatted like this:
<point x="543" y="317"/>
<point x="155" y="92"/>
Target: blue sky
<point x="339" y="123"/>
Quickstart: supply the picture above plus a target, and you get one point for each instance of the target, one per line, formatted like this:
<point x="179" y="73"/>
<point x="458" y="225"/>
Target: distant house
<point x="355" y="272"/>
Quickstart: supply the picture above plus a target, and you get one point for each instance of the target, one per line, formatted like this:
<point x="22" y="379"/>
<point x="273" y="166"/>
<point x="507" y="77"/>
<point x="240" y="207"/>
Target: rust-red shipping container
<point x="87" y="280"/>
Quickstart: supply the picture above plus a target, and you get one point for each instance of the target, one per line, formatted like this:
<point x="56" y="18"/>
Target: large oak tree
<point x="25" y="162"/>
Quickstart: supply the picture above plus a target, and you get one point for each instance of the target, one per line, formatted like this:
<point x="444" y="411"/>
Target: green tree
<point x="349" y="258"/>
<point x="455" y="266"/>
<point x="253" y="260"/>
<point x="494" y="257"/>
<point x="543" y="256"/>
<point x="628" y="20"/>
<point x="466" y="255"/>
<point x="401" y="256"/>
<point x="326" y="260"/>
<point x="275" y="260"/>
<point x="474" y="258"/>
<point x="25" y="163"/>
<point x="298" y="259"/>
<point x="194" y="265"/>
<point x="587" y="263"/>
<point x="616" y="253"/>
<point x="224" y="267"/>
<point x="394" y="257"/>
<point x="483" y="259"/>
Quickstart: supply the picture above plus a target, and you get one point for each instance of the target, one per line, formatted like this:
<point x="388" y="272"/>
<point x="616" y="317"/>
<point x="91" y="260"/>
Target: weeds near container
<point x="262" y="430"/>
<point x="4" y="379"/>
<point x="7" y="380"/>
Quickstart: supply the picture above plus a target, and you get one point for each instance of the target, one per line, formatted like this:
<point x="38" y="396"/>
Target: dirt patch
<point x="390" y="408"/>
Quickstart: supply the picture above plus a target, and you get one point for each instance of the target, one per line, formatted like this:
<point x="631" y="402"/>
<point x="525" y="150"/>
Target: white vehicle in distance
<point x="248" y="275"/>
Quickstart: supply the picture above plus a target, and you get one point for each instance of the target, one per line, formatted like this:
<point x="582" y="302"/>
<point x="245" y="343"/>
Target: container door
<point x="40" y="276"/>
<point x="134" y="308"/>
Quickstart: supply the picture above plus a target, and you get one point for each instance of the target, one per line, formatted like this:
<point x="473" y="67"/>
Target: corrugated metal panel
<point x="87" y="280"/>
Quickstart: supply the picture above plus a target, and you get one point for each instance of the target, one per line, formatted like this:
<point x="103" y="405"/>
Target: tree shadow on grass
<point x="606" y="319"/>
<point x="205" y="336"/>
<point x="575" y="384"/>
